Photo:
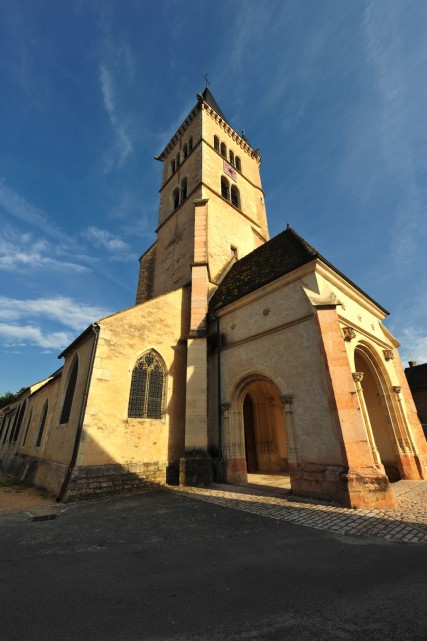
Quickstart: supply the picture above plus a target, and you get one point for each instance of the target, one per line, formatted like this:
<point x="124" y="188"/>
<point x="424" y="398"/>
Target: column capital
<point x="348" y="333"/>
<point x="357" y="377"/>
<point x="396" y="389"/>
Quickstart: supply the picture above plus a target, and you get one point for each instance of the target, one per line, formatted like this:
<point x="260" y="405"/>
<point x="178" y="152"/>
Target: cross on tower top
<point x="206" y="79"/>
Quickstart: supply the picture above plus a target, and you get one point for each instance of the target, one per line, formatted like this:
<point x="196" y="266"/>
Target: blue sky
<point x="333" y="92"/>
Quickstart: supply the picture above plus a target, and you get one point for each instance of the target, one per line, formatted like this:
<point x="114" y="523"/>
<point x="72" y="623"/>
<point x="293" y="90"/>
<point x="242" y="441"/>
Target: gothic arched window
<point x="238" y="164"/>
<point x="225" y="188"/>
<point x="223" y="150"/>
<point x="69" y="394"/>
<point x="235" y="196"/>
<point x="27" y="427"/>
<point x="147" y="388"/>
<point x="20" y="416"/>
<point x="216" y="143"/>
<point x="42" y="424"/>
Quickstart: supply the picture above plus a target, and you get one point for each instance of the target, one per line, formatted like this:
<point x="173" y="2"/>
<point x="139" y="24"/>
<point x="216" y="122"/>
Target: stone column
<point x="410" y="466"/>
<point x="287" y="402"/>
<point x="233" y="445"/>
<point x="357" y="378"/>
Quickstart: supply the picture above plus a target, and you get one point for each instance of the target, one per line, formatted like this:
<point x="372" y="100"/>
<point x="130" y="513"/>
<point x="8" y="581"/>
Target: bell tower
<point x="206" y="159"/>
<point x="211" y="213"/>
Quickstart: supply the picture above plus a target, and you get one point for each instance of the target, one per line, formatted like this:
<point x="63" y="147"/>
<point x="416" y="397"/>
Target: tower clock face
<point x="230" y="171"/>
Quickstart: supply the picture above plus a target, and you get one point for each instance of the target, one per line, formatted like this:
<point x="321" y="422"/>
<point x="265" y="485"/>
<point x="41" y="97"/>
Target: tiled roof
<point x="279" y="256"/>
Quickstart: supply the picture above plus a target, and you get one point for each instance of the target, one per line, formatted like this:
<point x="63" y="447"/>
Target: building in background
<point x="417" y="379"/>
<point x="241" y="354"/>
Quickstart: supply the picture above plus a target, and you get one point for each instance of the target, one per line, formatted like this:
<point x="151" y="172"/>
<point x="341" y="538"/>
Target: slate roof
<point x="417" y="376"/>
<point x="210" y="100"/>
<point x="279" y="256"/>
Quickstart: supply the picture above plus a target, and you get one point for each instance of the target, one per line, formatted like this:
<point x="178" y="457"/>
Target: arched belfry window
<point x="175" y="198"/>
<point x="223" y="150"/>
<point x="231" y="158"/>
<point x="238" y="164"/>
<point x="225" y="188"/>
<point x="235" y="196"/>
<point x="190" y="144"/>
<point x="185" y="150"/>
<point x="147" y="390"/>
<point x="69" y="394"/>
<point x="216" y="143"/>
<point x="183" y="189"/>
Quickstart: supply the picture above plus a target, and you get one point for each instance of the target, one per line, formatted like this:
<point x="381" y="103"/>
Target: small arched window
<point x="173" y="167"/>
<point x="231" y="158"/>
<point x="185" y="150"/>
<point x="147" y="388"/>
<point x="42" y="424"/>
<point x="175" y="198"/>
<point x="178" y="159"/>
<point x="235" y="196"/>
<point x="183" y="189"/>
<point x="190" y="144"/>
<point x="225" y="188"/>
<point x="69" y="394"/>
<point x="223" y="150"/>
<point x="216" y="143"/>
<point x="238" y="164"/>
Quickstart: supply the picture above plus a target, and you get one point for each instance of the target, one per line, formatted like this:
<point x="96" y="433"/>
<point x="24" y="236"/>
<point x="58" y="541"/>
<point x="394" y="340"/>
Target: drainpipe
<point x="218" y="369"/>
<point x="95" y="328"/>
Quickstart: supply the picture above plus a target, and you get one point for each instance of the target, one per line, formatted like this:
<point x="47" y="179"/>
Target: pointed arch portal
<point x="379" y="417"/>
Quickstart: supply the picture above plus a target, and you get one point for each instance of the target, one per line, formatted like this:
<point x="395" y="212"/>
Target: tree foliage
<point x="9" y="397"/>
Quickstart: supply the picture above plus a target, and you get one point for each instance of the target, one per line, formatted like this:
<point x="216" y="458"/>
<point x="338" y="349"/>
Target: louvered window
<point x="146" y="398"/>
<point x="235" y="197"/>
<point x="225" y="189"/>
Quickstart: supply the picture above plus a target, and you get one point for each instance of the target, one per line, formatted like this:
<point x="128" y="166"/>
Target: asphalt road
<point x="165" y="567"/>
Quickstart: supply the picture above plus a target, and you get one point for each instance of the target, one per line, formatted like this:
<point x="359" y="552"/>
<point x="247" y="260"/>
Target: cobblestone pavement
<point x="407" y="523"/>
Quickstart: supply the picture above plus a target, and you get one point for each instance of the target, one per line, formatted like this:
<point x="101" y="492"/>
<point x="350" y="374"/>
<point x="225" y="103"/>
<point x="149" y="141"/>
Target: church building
<point x="242" y="354"/>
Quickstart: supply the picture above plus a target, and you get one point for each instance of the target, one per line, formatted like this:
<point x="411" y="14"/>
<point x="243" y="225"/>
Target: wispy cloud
<point x="19" y="252"/>
<point x="18" y="207"/>
<point x="23" y="335"/>
<point x="123" y="146"/>
<point x="106" y="240"/>
<point x="401" y="97"/>
<point x="63" y="310"/>
<point x="50" y="323"/>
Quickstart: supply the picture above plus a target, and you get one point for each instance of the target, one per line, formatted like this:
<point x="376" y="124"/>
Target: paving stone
<point x="407" y="523"/>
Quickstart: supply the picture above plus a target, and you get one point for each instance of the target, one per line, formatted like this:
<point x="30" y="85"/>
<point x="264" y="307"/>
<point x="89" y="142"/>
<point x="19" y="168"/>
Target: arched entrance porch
<point x="257" y="432"/>
<point x="386" y="426"/>
<point x="266" y="447"/>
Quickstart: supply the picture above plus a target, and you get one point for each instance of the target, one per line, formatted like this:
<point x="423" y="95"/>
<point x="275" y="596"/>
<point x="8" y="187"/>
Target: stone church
<point x="241" y="354"/>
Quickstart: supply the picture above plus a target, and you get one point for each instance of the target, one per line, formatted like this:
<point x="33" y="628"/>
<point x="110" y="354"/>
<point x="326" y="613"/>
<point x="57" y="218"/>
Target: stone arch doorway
<point x="379" y="420"/>
<point x="265" y="438"/>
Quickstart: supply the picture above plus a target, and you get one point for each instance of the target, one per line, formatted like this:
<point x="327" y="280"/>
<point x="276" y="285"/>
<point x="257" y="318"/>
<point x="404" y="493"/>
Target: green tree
<point x="9" y="397"/>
